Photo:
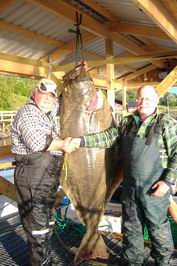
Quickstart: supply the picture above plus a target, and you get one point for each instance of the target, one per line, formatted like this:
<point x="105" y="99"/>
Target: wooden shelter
<point x="126" y="42"/>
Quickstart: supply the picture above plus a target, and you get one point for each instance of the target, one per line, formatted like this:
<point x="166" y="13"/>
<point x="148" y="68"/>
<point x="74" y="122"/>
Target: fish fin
<point x="91" y="249"/>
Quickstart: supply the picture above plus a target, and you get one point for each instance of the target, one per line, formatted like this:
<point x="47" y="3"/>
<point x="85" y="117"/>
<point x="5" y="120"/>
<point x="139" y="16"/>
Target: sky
<point x="173" y="90"/>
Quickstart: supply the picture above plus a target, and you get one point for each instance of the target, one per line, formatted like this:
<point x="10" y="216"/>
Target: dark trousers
<point x="37" y="181"/>
<point x="138" y="208"/>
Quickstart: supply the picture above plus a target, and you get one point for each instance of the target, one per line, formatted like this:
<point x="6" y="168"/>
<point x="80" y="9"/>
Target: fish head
<point x="79" y="87"/>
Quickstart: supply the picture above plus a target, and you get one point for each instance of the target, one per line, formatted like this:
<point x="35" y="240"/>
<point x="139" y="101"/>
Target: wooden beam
<point x="138" y="30"/>
<point x="5" y="151"/>
<point x="4" y="25"/>
<point x="103" y="84"/>
<point x="121" y="60"/>
<point x="100" y="9"/>
<point x="22" y="66"/>
<point x="136" y="85"/>
<point x="64" y="48"/>
<point x="24" y="60"/>
<point x="137" y="73"/>
<point x="4" y="4"/>
<point x="111" y="17"/>
<point x="121" y="40"/>
<point x="171" y="6"/>
<point x="160" y="15"/>
<point x="88" y="23"/>
<point x="22" y="69"/>
<point x="110" y="75"/>
<point x="124" y="97"/>
<point x="167" y="82"/>
<point x="34" y="68"/>
<point x="67" y="48"/>
<point x="92" y="55"/>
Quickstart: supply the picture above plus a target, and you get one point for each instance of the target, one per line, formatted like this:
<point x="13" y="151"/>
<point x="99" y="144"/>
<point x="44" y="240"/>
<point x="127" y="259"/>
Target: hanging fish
<point x="90" y="179"/>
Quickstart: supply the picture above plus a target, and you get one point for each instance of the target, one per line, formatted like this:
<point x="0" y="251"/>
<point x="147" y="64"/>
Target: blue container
<point x="65" y="200"/>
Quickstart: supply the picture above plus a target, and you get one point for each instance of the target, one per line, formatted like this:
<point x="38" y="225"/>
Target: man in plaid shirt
<point x="37" y="150"/>
<point x="148" y="143"/>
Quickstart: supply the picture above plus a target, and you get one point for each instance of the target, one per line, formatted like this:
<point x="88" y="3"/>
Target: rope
<point x="79" y="43"/>
<point x="65" y="166"/>
<point x="64" y="223"/>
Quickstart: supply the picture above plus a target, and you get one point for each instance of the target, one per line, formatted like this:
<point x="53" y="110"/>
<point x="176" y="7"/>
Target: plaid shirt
<point x="167" y="139"/>
<point x="31" y="127"/>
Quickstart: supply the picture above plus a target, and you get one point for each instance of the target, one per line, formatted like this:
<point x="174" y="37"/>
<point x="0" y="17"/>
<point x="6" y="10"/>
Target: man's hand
<point x="56" y="144"/>
<point x="160" y="189"/>
<point x="70" y="145"/>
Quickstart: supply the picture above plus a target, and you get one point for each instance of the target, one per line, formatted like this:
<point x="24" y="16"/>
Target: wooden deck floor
<point x="13" y="248"/>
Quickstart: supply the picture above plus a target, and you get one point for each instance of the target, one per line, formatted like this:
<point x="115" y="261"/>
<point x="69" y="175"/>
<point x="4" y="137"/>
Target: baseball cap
<point x="47" y="85"/>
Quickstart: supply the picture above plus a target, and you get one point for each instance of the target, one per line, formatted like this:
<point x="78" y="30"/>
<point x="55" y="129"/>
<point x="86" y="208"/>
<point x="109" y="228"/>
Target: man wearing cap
<point x="37" y="150"/>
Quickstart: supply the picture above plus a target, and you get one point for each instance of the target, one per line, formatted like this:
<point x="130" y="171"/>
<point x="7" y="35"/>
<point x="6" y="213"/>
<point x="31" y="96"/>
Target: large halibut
<point x="90" y="178"/>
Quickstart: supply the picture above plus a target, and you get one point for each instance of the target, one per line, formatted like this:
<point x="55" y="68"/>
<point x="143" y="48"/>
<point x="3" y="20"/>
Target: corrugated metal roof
<point x="164" y="43"/>
<point x="13" y="44"/>
<point x="97" y="47"/>
<point x="30" y="16"/>
<point x="126" y="10"/>
<point x="38" y="20"/>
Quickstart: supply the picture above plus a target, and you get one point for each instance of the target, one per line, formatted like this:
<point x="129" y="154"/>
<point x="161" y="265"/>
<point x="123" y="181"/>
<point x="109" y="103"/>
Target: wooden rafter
<point x="64" y="48"/>
<point x="138" y="30"/>
<point x="33" y="68"/>
<point x="22" y="69"/>
<point x="160" y="15"/>
<point x="22" y="60"/>
<point x="90" y="24"/>
<point x="167" y="82"/>
<point x="121" y="60"/>
<point x="137" y="73"/>
<point x="67" y="48"/>
<point x="171" y="6"/>
<point x="100" y="9"/>
<point x="33" y="35"/>
<point x="110" y="74"/>
<point x="4" y="4"/>
<point x="104" y="12"/>
<point x="136" y="85"/>
<point x="93" y="28"/>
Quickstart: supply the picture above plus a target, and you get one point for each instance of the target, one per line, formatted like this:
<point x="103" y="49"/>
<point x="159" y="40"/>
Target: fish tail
<point x="91" y="248"/>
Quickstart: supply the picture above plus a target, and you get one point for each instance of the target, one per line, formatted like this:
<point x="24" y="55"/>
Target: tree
<point x="169" y="99"/>
<point x="14" y="91"/>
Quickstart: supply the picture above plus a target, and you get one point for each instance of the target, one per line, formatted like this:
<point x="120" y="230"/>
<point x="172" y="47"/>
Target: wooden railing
<point x="6" y="118"/>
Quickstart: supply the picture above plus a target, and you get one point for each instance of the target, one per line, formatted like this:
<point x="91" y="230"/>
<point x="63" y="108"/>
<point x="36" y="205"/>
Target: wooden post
<point x="167" y="82"/>
<point x="124" y="97"/>
<point x="7" y="188"/>
<point x="5" y="151"/>
<point x="110" y="75"/>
